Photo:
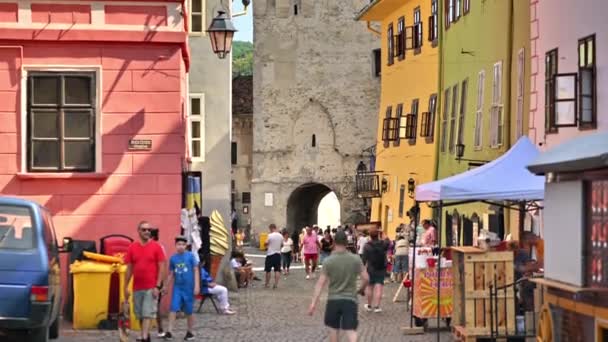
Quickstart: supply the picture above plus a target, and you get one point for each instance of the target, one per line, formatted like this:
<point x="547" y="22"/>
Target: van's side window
<point x="49" y="233"/>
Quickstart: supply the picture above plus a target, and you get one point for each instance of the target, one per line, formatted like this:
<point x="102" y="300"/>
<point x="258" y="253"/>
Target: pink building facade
<point x="569" y="84"/>
<point x="79" y="81"/>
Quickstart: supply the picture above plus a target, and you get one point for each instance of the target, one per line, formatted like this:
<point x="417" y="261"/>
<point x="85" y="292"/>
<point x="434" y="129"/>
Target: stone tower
<point x="315" y="108"/>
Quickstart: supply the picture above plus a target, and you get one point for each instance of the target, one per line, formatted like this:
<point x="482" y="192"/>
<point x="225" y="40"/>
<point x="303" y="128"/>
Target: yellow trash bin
<point x="263" y="238"/>
<point x="92" y="293"/>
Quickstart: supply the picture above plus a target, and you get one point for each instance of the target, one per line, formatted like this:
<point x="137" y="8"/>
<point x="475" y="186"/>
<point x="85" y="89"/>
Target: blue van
<point x="30" y="274"/>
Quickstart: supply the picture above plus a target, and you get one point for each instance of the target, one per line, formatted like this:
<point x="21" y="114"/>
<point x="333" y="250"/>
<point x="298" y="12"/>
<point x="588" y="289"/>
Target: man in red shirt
<point x="145" y="261"/>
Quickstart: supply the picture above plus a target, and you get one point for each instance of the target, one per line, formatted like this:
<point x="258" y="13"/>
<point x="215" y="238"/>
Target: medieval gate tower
<point x="315" y="108"/>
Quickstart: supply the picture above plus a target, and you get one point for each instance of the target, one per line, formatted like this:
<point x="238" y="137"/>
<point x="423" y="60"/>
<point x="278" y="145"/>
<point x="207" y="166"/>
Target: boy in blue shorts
<point x="184" y="271"/>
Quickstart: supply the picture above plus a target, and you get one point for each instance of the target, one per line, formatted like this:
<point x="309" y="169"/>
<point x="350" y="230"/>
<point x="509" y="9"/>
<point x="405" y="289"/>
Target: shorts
<point x="376" y="278"/>
<point x="341" y="314"/>
<point x="310" y="257"/>
<point x="182" y="299"/>
<point x="324" y="255"/>
<point x="401" y="264"/>
<point x="144" y="304"/>
<point x="273" y="261"/>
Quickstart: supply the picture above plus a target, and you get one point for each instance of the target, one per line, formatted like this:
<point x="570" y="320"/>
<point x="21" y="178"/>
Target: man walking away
<point x="183" y="270"/>
<point x="341" y="270"/>
<point x="374" y="257"/>
<point x="273" y="255"/>
<point x="401" y="264"/>
<point x="145" y="261"/>
<point x="310" y="245"/>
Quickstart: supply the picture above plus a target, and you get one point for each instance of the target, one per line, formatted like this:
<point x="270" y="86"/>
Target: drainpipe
<point x="373" y="30"/>
<point x="509" y="68"/>
<point x="440" y="80"/>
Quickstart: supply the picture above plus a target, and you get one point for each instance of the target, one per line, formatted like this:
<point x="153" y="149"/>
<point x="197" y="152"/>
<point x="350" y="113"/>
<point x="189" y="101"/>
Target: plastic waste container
<point x="263" y="238"/>
<point x="92" y="293"/>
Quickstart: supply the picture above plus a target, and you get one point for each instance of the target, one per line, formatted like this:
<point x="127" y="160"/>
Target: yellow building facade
<point x="406" y="152"/>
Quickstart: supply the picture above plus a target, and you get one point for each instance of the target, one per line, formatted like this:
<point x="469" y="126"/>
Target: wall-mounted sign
<point x="268" y="199"/>
<point x="140" y="144"/>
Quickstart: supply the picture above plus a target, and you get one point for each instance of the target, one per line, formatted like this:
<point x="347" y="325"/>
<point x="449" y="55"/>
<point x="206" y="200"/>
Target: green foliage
<point x="242" y="58"/>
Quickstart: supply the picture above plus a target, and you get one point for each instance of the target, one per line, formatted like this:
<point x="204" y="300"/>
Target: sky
<point x="244" y="24"/>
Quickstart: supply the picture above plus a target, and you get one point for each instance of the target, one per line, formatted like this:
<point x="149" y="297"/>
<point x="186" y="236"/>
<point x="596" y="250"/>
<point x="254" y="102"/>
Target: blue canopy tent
<point x="504" y="182"/>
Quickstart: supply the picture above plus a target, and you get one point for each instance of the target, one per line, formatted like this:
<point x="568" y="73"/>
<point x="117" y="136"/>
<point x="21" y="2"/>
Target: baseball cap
<point x="181" y="238"/>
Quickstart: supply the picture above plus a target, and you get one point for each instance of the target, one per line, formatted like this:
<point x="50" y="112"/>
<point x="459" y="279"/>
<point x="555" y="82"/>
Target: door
<point x="449" y="235"/>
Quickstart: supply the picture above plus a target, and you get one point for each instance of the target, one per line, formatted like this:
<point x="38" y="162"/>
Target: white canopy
<point x="503" y="179"/>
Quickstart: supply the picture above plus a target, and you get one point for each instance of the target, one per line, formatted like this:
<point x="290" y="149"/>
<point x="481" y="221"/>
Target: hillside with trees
<point x="242" y="58"/>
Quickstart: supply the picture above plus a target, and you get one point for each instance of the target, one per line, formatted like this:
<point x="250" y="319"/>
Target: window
<point x="233" y="153"/>
<point x="377" y="66"/>
<point x="595" y="234"/>
<point x="519" y="116"/>
<point x="402" y="128"/>
<point x="233" y="185"/>
<point x="444" y="120"/>
<point x="197" y="16"/>
<point x="401" y="200"/>
<point x="314" y="140"/>
<point x="457" y="7"/>
<point x="417" y="31"/>
<point x="428" y="118"/>
<point x="16" y="231"/>
<point x="400" y="38"/>
<point x="61" y="121"/>
<point x="453" y="118"/>
<point x="479" y="110"/>
<point x="587" y="82"/>
<point x="496" y="115"/>
<point x="565" y="100"/>
<point x="196" y="120"/>
<point x="433" y="24"/>
<point x="463" y="110"/>
<point x="449" y="13"/>
<point x="389" y="127"/>
<point x="412" y="122"/>
<point x="466" y="6"/>
<point x="550" y="71"/>
<point x="390" y="44"/>
<point x="246" y="198"/>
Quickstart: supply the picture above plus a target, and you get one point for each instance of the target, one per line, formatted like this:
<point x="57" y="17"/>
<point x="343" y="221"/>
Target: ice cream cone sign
<point x="219" y="238"/>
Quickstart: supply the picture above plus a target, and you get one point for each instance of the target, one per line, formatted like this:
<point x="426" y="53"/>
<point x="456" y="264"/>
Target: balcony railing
<point x="367" y="184"/>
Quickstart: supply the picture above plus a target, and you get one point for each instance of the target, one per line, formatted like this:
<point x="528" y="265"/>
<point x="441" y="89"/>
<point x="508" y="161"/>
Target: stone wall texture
<point x="312" y="76"/>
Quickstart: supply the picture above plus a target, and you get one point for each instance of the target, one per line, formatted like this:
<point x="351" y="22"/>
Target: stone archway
<point x="303" y="205"/>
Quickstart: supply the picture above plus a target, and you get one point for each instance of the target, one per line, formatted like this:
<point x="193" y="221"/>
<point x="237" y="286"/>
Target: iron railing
<point x="520" y="324"/>
<point x="367" y="184"/>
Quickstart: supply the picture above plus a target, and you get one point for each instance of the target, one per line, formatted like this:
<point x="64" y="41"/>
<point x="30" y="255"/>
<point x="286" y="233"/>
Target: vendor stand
<point x="483" y="184"/>
<point x="576" y="240"/>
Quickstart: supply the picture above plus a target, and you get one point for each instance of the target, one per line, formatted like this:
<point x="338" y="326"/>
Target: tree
<point x="242" y="58"/>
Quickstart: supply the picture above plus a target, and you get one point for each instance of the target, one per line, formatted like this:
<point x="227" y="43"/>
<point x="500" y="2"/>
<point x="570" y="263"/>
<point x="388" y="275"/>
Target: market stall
<point x="576" y="245"/>
<point x="487" y="183"/>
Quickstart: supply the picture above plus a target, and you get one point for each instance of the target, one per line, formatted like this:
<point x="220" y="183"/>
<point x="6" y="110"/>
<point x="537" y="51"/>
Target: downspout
<point x="440" y="81"/>
<point x="508" y="103"/>
<point x="373" y="30"/>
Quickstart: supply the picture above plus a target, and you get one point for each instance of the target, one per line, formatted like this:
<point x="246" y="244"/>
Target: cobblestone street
<point x="280" y="315"/>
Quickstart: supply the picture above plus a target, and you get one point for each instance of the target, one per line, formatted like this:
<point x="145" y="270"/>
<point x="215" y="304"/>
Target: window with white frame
<point x="496" y="112"/>
<point x="453" y="118"/>
<point x="61" y="121"/>
<point x="197" y="16"/>
<point x="196" y="121"/>
<point x="444" y="119"/>
<point x="463" y="110"/>
<point x="481" y="78"/>
<point x="519" y="116"/>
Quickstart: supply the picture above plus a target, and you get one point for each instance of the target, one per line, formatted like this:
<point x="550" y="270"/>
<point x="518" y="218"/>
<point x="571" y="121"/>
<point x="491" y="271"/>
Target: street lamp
<point x="411" y="187"/>
<point x="221" y="31"/>
<point x="460" y="153"/>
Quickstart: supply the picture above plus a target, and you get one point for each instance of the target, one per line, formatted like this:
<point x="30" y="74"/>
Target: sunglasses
<point x="143" y="230"/>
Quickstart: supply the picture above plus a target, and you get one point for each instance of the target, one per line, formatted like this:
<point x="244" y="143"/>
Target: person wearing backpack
<point x="374" y="258"/>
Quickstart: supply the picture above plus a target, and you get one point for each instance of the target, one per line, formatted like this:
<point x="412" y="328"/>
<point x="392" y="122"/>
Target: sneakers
<point x="377" y="310"/>
<point x="307" y="277"/>
<point x="161" y="334"/>
<point x="368" y="307"/>
<point x="229" y="312"/>
<point x="168" y="336"/>
<point x="189" y="337"/>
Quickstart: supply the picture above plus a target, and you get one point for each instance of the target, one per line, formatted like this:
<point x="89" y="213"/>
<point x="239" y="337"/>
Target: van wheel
<point x="39" y="335"/>
<point x="54" y="329"/>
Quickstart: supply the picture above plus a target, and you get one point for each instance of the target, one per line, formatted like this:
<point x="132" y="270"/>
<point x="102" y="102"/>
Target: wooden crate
<point x="474" y="270"/>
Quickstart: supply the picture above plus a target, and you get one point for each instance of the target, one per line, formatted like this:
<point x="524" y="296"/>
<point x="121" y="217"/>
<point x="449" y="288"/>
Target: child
<point x="210" y="287"/>
<point x="239" y="239"/>
<point x="183" y="270"/>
